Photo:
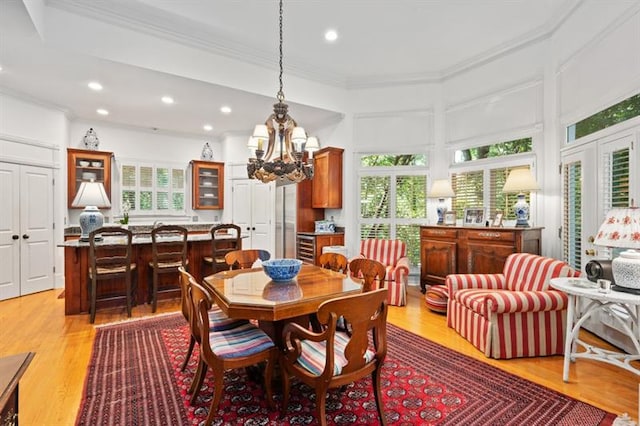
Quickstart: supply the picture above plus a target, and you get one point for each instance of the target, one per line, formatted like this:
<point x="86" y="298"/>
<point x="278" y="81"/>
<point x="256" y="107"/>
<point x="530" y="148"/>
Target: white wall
<point x="148" y="146"/>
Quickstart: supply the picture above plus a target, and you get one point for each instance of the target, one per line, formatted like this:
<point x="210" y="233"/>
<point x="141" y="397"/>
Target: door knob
<point x="253" y="229"/>
<point x="25" y="236"/>
<point x="591" y="239"/>
<point x="15" y="237"/>
<point x="590" y="252"/>
<point x="248" y="228"/>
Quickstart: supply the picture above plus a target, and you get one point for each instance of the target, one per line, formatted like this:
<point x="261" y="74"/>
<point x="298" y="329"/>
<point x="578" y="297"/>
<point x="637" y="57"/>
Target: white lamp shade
<point x="520" y="180"/>
<point x="252" y="143"/>
<point x="91" y="194"/>
<point x="298" y="133"/>
<point x="621" y="229"/>
<point x="312" y="144"/>
<point x="441" y="188"/>
<point x="261" y="131"/>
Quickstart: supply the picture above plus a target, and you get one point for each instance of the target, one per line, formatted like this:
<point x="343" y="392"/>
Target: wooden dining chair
<point x="245" y="259"/>
<point x="110" y="254"/>
<point x="334" y="261"/>
<point x="241" y="346"/>
<point x="218" y="320"/>
<point x="169" y="252"/>
<point x="225" y="238"/>
<point x="370" y="271"/>
<point x="331" y="358"/>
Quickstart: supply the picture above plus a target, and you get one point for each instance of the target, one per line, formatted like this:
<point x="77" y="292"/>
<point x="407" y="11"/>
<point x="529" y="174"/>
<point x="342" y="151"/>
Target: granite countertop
<point x="137" y="240"/>
<point x="146" y="228"/>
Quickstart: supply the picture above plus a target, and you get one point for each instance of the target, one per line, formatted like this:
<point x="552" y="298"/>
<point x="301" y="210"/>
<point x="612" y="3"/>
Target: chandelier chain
<point x="280" y="92"/>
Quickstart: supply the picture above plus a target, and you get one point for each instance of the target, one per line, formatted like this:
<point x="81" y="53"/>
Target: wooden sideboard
<point x="448" y="250"/>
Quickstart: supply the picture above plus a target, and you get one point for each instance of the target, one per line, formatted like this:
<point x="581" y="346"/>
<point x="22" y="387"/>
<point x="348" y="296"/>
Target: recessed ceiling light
<point x="94" y="85"/>
<point x="225" y="110"/>
<point x="208" y="127"/>
<point x="167" y="100"/>
<point x="102" y="111"/>
<point x="331" y="35"/>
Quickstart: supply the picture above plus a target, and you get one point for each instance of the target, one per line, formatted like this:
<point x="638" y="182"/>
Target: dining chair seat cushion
<point x="239" y="342"/>
<point x="313" y="354"/>
<point x="106" y="271"/>
<point x="219" y="321"/>
<point x="167" y="265"/>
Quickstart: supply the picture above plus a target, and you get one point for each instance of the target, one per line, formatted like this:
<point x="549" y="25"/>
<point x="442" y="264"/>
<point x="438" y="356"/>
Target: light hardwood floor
<point x="51" y="389"/>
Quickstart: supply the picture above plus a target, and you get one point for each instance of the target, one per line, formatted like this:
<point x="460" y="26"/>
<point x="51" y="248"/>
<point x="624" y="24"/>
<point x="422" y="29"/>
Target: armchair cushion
<point x="513" y="314"/>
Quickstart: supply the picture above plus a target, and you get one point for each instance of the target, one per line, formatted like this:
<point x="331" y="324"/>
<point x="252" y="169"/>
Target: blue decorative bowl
<point x="282" y="270"/>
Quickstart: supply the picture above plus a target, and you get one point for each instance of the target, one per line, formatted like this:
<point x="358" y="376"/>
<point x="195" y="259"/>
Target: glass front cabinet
<point x="208" y="185"/>
<point x="83" y="166"/>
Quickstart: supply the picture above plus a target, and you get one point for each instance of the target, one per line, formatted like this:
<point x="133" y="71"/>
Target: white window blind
<point x="615" y="182"/>
<point x="153" y="188"/>
<point x="572" y="215"/>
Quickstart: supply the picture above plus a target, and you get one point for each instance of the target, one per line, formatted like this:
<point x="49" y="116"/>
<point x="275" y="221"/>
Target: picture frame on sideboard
<point x="473" y="216"/>
<point x="449" y="218"/>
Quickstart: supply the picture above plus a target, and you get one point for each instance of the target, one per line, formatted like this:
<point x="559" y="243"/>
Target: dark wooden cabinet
<point x="327" y="181"/>
<point x="11" y="370"/>
<point x="83" y="166"/>
<point x="309" y="245"/>
<point x="465" y="250"/>
<point x="207" y="185"/>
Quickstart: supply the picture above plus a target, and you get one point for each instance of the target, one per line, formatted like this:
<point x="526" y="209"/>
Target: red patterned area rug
<point x="134" y="378"/>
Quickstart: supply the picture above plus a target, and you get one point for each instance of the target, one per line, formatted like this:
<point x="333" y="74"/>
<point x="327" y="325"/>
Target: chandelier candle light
<point x="521" y="181"/>
<point x="621" y="229"/>
<point x="278" y="145"/>
<point x="441" y="189"/>
<point x="91" y="195"/>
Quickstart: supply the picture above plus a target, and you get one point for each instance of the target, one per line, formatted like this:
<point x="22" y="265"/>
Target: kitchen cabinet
<point x="85" y="165"/>
<point x="309" y="244"/>
<point x="326" y="188"/>
<point x="448" y="250"/>
<point x="207" y="185"/>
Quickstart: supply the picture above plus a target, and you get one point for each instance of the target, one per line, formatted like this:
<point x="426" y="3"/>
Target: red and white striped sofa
<point x="393" y="255"/>
<point x="513" y="314"/>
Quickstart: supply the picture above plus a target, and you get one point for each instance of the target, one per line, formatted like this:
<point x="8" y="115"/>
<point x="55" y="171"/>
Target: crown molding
<point x="33" y="100"/>
<point x="158" y="23"/>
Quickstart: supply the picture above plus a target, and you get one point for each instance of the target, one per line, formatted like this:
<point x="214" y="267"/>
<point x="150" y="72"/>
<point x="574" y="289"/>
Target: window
<point x="625" y="110"/>
<point x="153" y="189"/>
<point x="471" y="191"/>
<point x="393" y="200"/>
<point x="501" y="149"/>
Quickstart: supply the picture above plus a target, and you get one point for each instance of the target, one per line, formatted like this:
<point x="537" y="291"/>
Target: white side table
<point x="577" y="288"/>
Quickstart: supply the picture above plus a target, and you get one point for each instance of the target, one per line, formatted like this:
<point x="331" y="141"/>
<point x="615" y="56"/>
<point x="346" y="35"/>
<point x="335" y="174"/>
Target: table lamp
<point x="621" y="229"/>
<point x="90" y="195"/>
<point x="521" y="181"/>
<point x="441" y="189"/>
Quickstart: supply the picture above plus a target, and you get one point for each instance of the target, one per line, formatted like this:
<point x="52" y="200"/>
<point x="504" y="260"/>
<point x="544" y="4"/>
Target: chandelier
<point x="278" y="145"/>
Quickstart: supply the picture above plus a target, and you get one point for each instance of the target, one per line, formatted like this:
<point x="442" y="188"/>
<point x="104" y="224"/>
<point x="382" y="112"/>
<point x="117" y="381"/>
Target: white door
<point x="253" y="212"/>
<point x="26" y="230"/>
<point x="9" y="231"/>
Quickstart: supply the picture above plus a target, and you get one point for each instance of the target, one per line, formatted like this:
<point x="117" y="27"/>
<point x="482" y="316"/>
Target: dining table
<point x="251" y="294"/>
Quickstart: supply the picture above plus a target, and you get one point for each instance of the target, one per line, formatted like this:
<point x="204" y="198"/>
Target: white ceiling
<point x="381" y="42"/>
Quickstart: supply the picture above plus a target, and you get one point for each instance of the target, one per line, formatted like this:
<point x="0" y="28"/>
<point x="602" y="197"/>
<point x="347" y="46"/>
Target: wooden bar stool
<point x="225" y="238"/>
<point x="110" y="253"/>
<point x="169" y="252"/>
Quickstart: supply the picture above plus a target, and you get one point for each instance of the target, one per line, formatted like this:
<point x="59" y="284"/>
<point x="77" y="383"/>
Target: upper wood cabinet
<point x="84" y="165"/>
<point x="327" y="180"/>
<point x="208" y="185"/>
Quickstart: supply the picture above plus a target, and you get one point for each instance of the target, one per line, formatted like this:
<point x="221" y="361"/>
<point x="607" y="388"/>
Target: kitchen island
<point x="76" y="267"/>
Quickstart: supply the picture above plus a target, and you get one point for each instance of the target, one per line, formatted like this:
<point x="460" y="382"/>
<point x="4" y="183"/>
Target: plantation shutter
<point x="129" y="186"/>
<point x="411" y="199"/>
<point x="150" y="188"/>
<point x="178" y="189"/>
<point x="374" y="204"/>
<point x="615" y="182"/>
<point x="469" y="190"/>
<point x="498" y="200"/>
<point x="572" y="215"/>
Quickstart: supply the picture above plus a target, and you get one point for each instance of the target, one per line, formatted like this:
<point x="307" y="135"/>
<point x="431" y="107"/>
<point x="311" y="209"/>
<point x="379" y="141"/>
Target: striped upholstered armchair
<point x="513" y="314"/>
<point x="393" y="255"/>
